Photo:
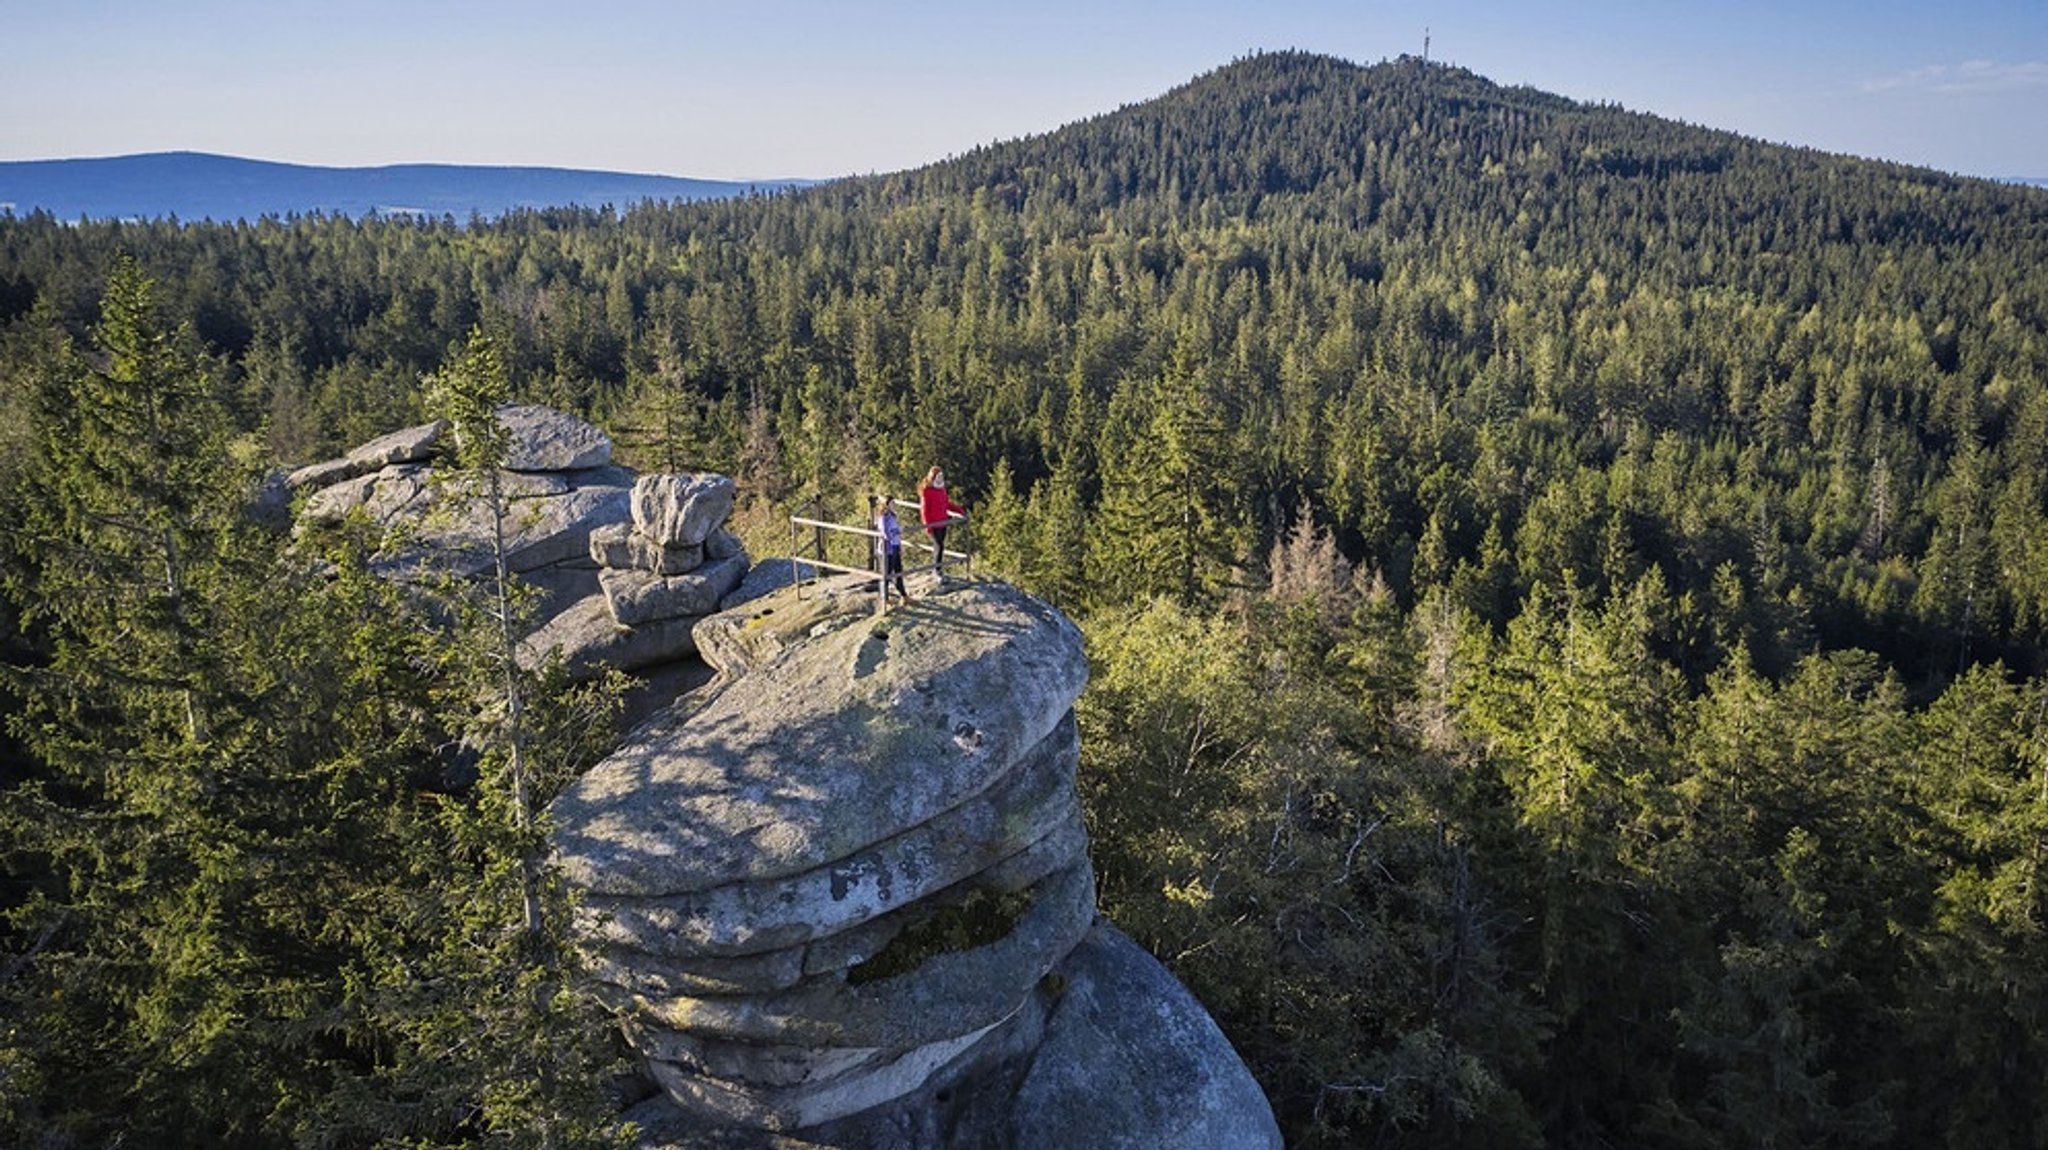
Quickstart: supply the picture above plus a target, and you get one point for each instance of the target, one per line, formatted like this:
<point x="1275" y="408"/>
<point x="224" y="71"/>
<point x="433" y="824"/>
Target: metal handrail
<point x="818" y="562"/>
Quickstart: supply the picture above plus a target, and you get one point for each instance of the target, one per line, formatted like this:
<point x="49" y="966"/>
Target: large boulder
<point x="678" y="510"/>
<point x="546" y="523"/>
<point x="637" y="597"/>
<point x="868" y="727"/>
<point x="386" y="496"/>
<point x="326" y="473"/>
<point x="447" y="524"/>
<point x="543" y="439"/>
<point x="1130" y="1061"/>
<point x="408" y="445"/>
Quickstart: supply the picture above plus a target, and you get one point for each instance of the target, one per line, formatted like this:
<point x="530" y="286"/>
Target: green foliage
<point x="982" y="918"/>
<point x="1260" y="824"/>
<point x="1669" y="773"/>
<point x="1167" y="523"/>
<point x="1444" y="312"/>
<point x="198" y="821"/>
<point x="234" y="917"/>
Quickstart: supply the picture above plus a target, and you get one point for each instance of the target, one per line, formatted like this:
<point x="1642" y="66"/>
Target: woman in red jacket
<point x="939" y="513"/>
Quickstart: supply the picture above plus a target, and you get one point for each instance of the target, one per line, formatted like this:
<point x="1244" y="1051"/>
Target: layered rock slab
<point x="755" y="915"/>
<point x="867" y="727"/>
<point x="612" y="595"/>
<point x="832" y="893"/>
<point x="1109" y="1053"/>
<point x="785" y="873"/>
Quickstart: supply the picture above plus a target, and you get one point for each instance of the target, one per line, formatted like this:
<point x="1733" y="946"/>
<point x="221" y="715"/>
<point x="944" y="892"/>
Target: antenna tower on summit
<point x="1425" y="45"/>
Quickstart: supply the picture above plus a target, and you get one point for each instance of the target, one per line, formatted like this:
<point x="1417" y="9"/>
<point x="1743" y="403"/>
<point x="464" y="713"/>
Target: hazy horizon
<point x="802" y="89"/>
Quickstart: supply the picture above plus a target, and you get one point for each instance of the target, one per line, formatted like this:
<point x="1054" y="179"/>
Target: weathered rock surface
<point x="445" y="526"/>
<point x="619" y="547"/>
<point x="870" y="726"/>
<point x="723" y="544"/>
<point x="750" y="916"/>
<point x="543" y="439"/>
<point x="324" y="474"/>
<point x="568" y="524"/>
<point x="681" y="510"/>
<point x="409" y="445"/>
<point x="836" y="893"/>
<point x="1109" y="1053"/>
<point x="945" y="995"/>
<point x="1130" y="1061"/>
<point x="763" y="578"/>
<point x="589" y="640"/>
<point x="637" y="597"/>
<point x="655" y="975"/>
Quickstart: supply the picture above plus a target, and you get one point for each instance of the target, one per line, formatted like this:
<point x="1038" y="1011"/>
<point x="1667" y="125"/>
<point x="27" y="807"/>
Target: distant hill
<point x="199" y="186"/>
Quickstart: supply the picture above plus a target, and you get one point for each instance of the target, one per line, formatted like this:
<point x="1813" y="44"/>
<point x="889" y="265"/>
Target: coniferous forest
<point x="1566" y="594"/>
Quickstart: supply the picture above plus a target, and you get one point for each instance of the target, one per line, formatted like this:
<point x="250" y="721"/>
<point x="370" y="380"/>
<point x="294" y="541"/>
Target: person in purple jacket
<point x="889" y="548"/>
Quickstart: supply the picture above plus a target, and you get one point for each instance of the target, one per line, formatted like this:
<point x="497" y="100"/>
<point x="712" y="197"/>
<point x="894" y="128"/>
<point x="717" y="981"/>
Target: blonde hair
<point x="933" y="478"/>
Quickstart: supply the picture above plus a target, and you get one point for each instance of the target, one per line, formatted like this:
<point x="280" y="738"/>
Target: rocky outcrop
<point x="841" y="896"/>
<point x="658" y="572"/>
<point x="558" y="485"/>
<point x="626" y="563"/>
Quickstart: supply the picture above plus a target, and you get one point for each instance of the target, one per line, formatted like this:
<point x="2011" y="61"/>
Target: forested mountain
<point x="1567" y="588"/>
<point x="198" y="186"/>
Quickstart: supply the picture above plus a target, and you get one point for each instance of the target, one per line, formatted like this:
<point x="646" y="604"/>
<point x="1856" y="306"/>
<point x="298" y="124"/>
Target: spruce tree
<point x="203" y="839"/>
<point x="1169" y="523"/>
<point x="128" y="544"/>
<point x="493" y="1031"/>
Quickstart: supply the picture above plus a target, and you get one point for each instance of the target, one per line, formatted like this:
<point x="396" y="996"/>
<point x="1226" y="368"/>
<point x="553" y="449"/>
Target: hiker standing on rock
<point x="940" y="513"/>
<point x="889" y="547"/>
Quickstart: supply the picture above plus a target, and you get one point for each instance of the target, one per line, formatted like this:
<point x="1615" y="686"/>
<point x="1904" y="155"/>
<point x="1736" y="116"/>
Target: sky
<point x="768" y="89"/>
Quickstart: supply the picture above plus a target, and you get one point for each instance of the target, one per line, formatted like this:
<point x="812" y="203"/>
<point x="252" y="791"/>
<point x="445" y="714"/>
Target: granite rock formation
<point x="841" y="896"/>
<point x="626" y="563"/>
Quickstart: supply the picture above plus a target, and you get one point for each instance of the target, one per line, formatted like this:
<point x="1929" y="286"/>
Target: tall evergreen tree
<point x="209" y="815"/>
<point x="1169" y="523"/>
<point x="502" y="1038"/>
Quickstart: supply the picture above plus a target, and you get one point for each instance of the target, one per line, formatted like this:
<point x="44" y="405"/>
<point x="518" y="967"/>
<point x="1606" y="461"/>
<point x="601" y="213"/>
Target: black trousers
<point x="892" y="568"/>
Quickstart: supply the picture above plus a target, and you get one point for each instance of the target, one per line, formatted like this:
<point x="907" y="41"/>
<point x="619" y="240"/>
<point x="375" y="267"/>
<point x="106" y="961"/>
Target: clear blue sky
<point x="818" y="88"/>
